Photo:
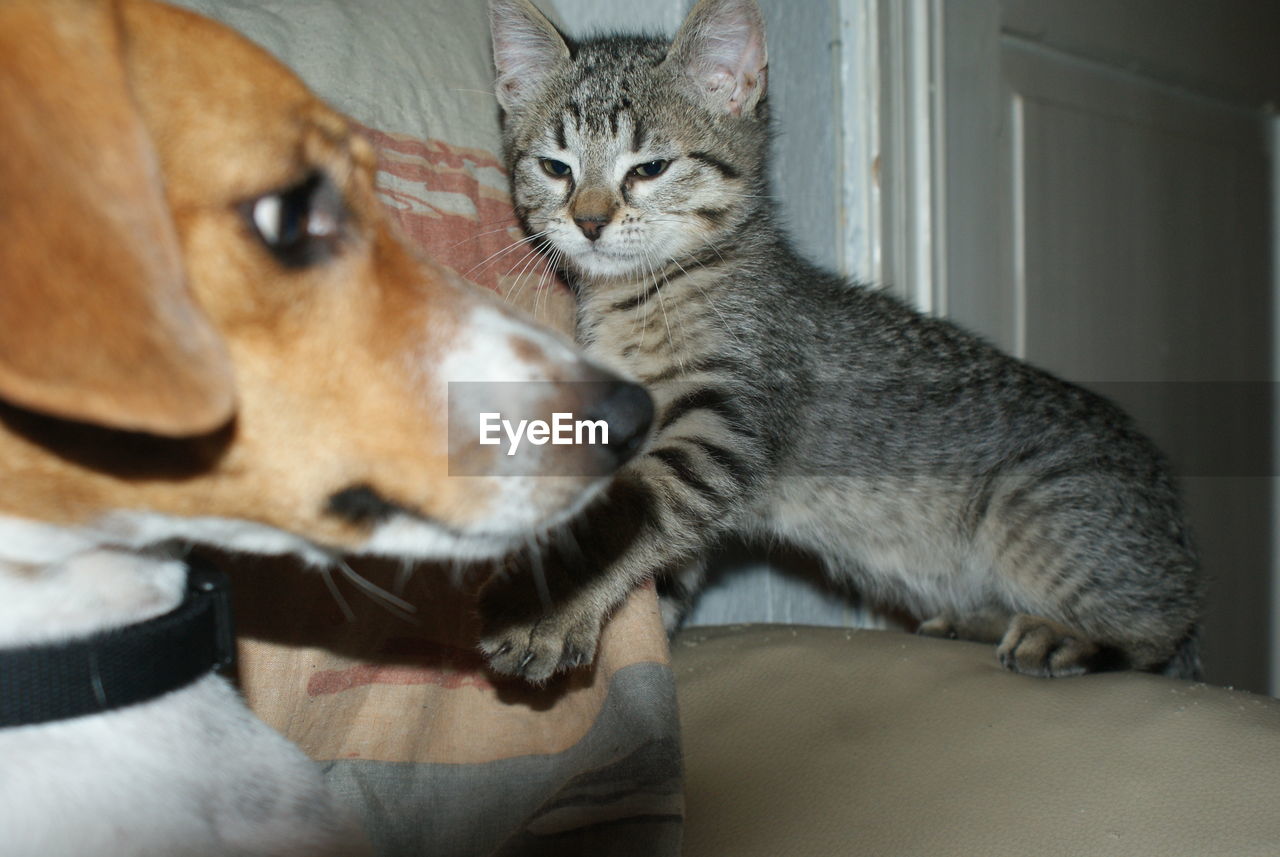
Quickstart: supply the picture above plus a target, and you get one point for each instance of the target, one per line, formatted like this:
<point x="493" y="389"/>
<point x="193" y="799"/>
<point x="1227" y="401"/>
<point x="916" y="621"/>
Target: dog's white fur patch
<point x="401" y="535"/>
<point x="484" y="350"/>
<point x="29" y="542"/>
<point x="86" y="592"/>
<point x="189" y="772"/>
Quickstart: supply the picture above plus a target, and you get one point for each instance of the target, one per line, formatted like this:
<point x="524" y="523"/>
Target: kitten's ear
<point x="721" y="47"/>
<point x="526" y="48"/>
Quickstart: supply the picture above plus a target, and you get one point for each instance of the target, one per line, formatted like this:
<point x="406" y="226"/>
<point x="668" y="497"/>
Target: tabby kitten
<point x="921" y="464"/>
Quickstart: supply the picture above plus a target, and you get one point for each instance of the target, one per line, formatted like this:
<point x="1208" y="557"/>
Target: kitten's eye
<point x="301" y="225"/>
<point x="555" y="169"/>
<point x="652" y="169"/>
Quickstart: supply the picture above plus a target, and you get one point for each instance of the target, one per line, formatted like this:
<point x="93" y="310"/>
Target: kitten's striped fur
<point x="919" y="462"/>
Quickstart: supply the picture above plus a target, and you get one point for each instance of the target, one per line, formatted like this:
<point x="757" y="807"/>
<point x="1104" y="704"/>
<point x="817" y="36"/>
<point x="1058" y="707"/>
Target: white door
<point x="1103" y="188"/>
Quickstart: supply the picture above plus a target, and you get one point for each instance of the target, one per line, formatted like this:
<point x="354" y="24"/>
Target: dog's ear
<point x="97" y="323"/>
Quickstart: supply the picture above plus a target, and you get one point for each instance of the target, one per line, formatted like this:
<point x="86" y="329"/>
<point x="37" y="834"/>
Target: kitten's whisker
<point x="707" y="298"/>
<point x="527" y="262"/>
<point x="530" y="254"/>
<point x="530" y="238"/>
<point x="531" y="251"/>
<point x="641" y="318"/>
<point x="644" y="327"/>
<point x="666" y="322"/>
<point x="684" y="334"/>
<point x="714" y="249"/>
<point x="513" y="292"/>
<point x="553" y="271"/>
<point x="538" y="289"/>
<point x="545" y="260"/>
<point x="636" y="326"/>
<point x="474" y="235"/>
<point x="488" y="92"/>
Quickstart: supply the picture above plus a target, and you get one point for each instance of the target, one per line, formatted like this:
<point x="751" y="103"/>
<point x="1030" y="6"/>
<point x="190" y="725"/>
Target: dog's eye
<point x="650" y="170"/>
<point x="301" y="225"/>
<point x="555" y="169"/>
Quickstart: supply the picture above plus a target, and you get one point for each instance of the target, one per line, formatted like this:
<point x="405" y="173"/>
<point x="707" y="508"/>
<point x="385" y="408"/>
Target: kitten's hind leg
<point x="1034" y="645"/>
<point x="1098" y="566"/>
<point x="1031" y="645"/>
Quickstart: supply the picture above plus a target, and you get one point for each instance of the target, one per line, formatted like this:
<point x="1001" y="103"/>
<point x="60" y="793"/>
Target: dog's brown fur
<point x="317" y="379"/>
<point x="168" y="369"/>
<point x="88" y="239"/>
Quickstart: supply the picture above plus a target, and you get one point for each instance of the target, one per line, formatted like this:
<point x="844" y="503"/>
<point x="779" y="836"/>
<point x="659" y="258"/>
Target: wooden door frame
<point x="903" y="206"/>
<point x="893" y="105"/>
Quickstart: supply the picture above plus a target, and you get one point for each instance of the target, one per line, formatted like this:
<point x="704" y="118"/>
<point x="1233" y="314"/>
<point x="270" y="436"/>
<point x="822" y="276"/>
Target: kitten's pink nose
<point x="592" y="225"/>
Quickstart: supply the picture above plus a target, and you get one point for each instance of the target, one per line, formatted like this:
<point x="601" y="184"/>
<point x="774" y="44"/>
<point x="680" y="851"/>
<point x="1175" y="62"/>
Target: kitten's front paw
<point x="536" y="645"/>
<point x="1037" y="646"/>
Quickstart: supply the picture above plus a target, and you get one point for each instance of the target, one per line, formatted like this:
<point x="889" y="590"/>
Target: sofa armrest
<point x="823" y="741"/>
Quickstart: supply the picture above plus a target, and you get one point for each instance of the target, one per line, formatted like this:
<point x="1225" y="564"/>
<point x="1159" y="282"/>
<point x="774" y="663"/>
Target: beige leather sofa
<point x="817" y="741"/>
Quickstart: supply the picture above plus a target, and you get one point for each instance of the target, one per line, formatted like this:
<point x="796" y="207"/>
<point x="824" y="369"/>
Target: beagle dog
<point x="212" y="332"/>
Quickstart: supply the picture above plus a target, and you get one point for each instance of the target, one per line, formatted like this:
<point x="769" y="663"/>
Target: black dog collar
<point x="122" y="666"/>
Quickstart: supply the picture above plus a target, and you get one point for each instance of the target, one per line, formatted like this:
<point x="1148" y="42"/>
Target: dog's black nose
<point x="628" y="410"/>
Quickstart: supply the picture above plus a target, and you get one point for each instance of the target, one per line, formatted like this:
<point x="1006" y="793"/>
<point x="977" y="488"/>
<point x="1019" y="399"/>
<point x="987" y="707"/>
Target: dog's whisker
<point x="403" y="575"/>
<point x="540" y="579"/>
<point x="392" y="604"/>
<point x="326" y="574"/>
<point x="568" y="544"/>
<point x="457" y="572"/>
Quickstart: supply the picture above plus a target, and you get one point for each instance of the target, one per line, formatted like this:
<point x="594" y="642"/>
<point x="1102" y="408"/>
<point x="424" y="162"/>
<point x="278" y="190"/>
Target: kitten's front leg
<point x="545" y="614"/>
<point x="530" y="633"/>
